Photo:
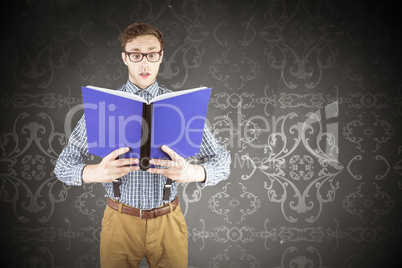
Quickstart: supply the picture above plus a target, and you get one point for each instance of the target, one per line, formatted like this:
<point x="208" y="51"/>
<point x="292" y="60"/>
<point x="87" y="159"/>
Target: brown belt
<point x="143" y="214"/>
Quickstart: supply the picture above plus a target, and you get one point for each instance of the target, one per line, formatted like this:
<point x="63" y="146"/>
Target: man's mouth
<point x="145" y="74"/>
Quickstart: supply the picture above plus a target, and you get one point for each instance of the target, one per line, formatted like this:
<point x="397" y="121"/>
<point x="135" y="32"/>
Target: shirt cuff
<point x="209" y="175"/>
<point x="77" y="175"/>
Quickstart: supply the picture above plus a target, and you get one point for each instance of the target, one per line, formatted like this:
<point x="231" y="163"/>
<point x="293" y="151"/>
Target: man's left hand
<point x="177" y="169"/>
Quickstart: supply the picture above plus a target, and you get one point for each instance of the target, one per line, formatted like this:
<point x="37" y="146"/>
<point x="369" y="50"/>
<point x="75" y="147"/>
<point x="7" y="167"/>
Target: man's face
<point x="143" y="73"/>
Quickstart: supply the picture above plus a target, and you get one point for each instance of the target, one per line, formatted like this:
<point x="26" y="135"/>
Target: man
<point x="137" y="223"/>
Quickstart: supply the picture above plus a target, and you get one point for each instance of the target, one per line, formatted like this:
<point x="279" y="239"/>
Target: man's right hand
<point x="110" y="168"/>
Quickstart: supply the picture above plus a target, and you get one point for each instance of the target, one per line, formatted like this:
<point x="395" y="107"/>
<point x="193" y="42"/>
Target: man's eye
<point x="136" y="56"/>
<point x="152" y="55"/>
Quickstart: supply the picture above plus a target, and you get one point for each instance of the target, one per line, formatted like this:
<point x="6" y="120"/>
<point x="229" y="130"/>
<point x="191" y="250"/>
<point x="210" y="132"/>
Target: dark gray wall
<point x="306" y="97"/>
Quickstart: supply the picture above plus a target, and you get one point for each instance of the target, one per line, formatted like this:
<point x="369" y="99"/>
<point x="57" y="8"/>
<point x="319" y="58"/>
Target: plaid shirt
<point x="140" y="189"/>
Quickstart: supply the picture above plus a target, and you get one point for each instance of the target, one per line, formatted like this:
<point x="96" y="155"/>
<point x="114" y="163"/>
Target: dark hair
<point x="138" y="29"/>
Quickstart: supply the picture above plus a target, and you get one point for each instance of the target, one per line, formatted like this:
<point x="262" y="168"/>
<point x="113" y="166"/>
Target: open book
<point x="116" y="119"/>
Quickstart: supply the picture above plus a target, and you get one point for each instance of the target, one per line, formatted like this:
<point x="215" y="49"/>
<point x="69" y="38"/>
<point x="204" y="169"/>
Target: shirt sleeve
<point x="71" y="161"/>
<point x="216" y="159"/>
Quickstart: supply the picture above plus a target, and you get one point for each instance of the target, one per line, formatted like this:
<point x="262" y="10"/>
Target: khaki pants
<point x="126" y="240"/>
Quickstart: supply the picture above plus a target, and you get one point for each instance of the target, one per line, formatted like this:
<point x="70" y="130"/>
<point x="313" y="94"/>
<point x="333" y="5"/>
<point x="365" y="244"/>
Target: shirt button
<point x="143" y="192"/>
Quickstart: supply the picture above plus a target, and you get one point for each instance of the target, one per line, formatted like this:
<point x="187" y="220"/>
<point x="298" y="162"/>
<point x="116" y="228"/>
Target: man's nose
<point x="144" y="61"/>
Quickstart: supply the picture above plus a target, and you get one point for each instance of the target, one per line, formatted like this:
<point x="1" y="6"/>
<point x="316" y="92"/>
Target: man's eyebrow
<point x="149" y="49"/>
<point x="133" y="50"/>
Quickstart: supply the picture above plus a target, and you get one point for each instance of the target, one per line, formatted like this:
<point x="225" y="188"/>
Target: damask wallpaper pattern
<point x="306" y="97"/>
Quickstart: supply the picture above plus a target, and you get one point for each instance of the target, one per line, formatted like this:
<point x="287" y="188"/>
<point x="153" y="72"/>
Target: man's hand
<point x="110" y="168"/>
<point x="177" y="169"/>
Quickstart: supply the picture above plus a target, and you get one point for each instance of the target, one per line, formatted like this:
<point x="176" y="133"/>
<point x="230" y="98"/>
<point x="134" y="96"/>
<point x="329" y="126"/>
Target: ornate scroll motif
<point x="188" y="55"/>
<point x="224" y="100"/>
<point x="306" y="195"/>
<point x="190" y="195"/>
<point x="310" y="257"/>
<point x="43" y="257"/>
<point x="300" y="49"/>
<point x="349" y="167"/>
<point x="289" y="234"/>
<point x="48" y="100"/>
<point x="22" y="170"/>
<point x="83" y="206"/>
<point x="91" y="70"/>
<point x="88" y="234"/>
<point x="365" y="127"/>
<point x="90" y="259"/>
<point x="368" y="254"/>
<point x="237" y="206"/>
<point x="234" y="74"/>
<point x="234" y="257"/>
<point x="368" y="74"/>
<point x="367" y="207"/>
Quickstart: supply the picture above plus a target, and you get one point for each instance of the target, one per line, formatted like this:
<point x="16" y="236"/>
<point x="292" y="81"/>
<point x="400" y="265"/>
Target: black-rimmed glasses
<point x="137" y="57"/>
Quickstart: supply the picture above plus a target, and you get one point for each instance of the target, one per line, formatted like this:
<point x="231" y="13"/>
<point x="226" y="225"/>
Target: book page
<point x="179" y="121"/>
<point x="176" y="93"/>
<point x="119" y="93"/>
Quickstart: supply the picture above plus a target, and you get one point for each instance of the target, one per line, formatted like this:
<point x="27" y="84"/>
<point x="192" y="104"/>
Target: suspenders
<point x="166" y="190"/>
<point x="116" y="188"/>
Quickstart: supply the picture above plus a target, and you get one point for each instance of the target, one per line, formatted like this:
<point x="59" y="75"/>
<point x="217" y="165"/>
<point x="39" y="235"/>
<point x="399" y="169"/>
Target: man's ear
<point x="162" y="56"/>
<point x="124" y="58"/>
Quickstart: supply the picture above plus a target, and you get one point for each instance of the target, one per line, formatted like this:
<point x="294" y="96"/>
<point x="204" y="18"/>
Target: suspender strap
<point x="116" y="188"/>
<point x="166" y="190"/>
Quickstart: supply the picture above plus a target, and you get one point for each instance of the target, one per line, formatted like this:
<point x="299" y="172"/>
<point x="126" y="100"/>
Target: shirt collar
<point x="151" y="90"/>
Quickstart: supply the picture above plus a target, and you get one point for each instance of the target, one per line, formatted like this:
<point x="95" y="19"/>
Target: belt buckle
<point x="141" y="210"/>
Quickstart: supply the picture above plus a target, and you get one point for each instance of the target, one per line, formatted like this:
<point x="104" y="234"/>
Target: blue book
<point x="116" y="119"/>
